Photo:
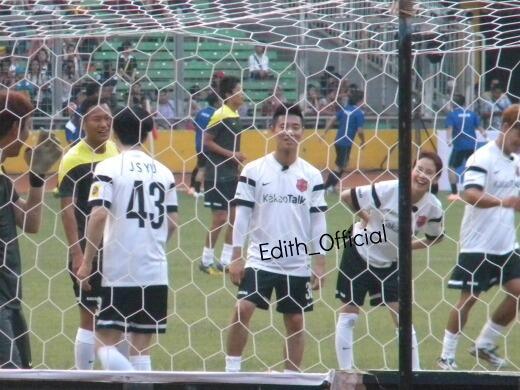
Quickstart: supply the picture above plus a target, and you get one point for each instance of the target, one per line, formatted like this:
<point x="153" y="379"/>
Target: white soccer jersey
<point x="139" y="192"/>
<point x="282" y="199"/>
<point x="377" y="243"/>
<point x="490" y="230"/>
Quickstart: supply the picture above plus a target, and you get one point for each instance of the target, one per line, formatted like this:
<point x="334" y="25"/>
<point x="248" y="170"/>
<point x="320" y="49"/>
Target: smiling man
<point x="74" y="180"/>
<point x="265" y="212"/>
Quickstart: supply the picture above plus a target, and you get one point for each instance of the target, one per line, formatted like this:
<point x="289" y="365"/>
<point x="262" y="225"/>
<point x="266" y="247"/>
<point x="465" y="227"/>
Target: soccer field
<point x="200" y="305"/>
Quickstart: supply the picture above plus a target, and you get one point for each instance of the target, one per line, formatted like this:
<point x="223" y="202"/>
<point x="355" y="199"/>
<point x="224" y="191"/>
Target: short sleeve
<point x="370" y="197"/>
<point x="171" y="198"/>
<point x="245" y="194"/>
<point x="434" y="227"/>
<point x="101" y="190"/>
<point x="318" y="203"/>
<point x="475" y="174"/>
<point x="67" y="183"/>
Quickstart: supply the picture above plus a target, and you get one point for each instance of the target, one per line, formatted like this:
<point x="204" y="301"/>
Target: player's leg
<point x="453" y="177"/>
<point x="294" y="296"/>
<point x="295" y="341"/>
<point x="487" y="342"/>
<point x="342" y="156"/>
<point x="394" y="313"/>
<point x="228" y="192"/>
<point x="149" y="320"/>
<point x="254" y="291"/>
<point x="213" y="198"/>
<point x="109" y="356"/>
<point x="23" y="342"/>
<point x="9" y="354"/>
<point x="351" y="288"/>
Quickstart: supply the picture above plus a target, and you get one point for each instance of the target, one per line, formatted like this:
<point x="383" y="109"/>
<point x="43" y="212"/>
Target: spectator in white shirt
<point x="259" y="64"/>
<point x="166" y="111"/>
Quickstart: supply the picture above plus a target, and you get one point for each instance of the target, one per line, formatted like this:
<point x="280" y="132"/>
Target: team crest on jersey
<point x="302" y="185"/>
<point x="95" y="191"/>
<point x="421" y="220"/>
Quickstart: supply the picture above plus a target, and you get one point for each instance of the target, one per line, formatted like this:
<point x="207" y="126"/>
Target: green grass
<point x="200" y="305"/>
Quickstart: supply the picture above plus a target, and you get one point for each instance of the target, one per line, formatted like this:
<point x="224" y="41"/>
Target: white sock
<point x="233" y="363"/>
<point x="489" y="335"/>
<point x="141" y="362"/>
<point x="286" y="371"/>
<point x="344" y="337"/>
<point x="227" y="253"/>
<point x="449" y="345"/>
<point x="84" y="349"/>
<point x="112" y="360"/>
<point x="208" y="255"/>
<point x="124" y="345"/>
<point x="416" y="365"/>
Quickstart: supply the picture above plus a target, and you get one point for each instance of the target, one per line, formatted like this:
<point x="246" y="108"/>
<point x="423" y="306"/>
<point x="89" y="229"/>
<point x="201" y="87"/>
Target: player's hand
<point x="45" y="154"/>
<point x="83" y="275"/>
<point x="239" y="156"/>
<point x="512" y="202"/>
<point x="77" y="259"/>
<point x="236" y="271"/>
<point x="318" y="276"/>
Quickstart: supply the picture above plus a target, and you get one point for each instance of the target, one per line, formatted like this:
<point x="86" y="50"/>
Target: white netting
<point x="167" y="56"/>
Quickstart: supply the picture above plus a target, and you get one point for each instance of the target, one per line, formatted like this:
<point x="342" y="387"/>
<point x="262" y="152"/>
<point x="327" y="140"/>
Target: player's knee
<point x="294" y="323"/>
<point x="220" y="218"/>
<point x="244" y="311"/>
<point x="466" y="302"/>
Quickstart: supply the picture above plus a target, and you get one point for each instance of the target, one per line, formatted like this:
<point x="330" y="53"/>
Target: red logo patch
<point x="421" y="220"/>
<point x="302" y="185"/>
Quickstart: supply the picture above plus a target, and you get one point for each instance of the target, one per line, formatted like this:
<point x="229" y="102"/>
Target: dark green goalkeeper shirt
<point x="11" y="267"/>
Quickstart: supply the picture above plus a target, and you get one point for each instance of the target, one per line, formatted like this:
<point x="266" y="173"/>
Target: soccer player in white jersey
<point x="134" y="211"/>
<point x="280" y="205"/>
<point x="369" y="263"/>
<point x="488" y="243"/>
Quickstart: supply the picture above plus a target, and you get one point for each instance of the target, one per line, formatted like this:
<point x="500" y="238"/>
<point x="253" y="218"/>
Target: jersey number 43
<point x="155" y="190"/>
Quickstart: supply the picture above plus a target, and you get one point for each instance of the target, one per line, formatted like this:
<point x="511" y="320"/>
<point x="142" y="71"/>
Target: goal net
<point x="169" y="58"/>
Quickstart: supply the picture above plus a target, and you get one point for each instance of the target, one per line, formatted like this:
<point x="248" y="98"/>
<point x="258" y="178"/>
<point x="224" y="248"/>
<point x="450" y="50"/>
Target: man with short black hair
<point x="279" y="198"/>
<point x="221" y="145"/>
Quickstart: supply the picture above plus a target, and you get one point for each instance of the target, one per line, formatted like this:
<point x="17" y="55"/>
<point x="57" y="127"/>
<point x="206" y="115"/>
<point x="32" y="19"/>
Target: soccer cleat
<point x="447" y="364"/>
<point x="221" y="267"/>
<point x="489" y="355"/>
<point x="454" y="197"/>
<point x="210" y="269"/>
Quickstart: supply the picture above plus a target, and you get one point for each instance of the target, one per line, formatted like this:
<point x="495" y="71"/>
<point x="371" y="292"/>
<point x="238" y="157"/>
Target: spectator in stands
<point x="486" y="95"/>
<point x="108" y="93"/>
<point x="494" y="108"/>
<point x="274" y="101"/>
<point x="92" y="71"/>
<point x="137" y="97"/>
<point x="166" y="111"/>
<point x="329" y="80"/>
<point x="127" y="64"/>
<point x="71" y="63"/>
<point x="43" y="59"/>
<point x="312" y="103"/>
<point x="329" y="104"/>
<point x="259" y="64"/>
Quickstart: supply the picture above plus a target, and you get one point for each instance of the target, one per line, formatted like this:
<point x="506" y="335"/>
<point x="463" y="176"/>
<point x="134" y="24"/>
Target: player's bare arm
<point x="211" y="146"/>
<point x="361" y="134"/>
<point x="328" y="125"/>
<point x="70" y="227"/>
<point x="318" y="272"/>
<point x="423" y="243"/>
<point x="172" y="224"/>
<point x="346" y="197"/>
<point x="94" y="236"/>
<point x="237" y="266"/>
<point x="478" y="198"/>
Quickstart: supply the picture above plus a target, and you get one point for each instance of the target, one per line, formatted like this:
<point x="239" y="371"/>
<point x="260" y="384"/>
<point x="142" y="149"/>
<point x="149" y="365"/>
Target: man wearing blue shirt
<point x="350" y="122"/>
<point x="461" y="124"/>
<point x="201" y="122"/>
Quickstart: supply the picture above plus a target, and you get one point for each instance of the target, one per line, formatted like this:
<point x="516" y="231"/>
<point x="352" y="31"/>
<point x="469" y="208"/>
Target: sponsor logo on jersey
<point x="302" y="185"/>
<point x="289" y="198"/>
<point x="95" y="191"/>
<point x="421" y="220"/>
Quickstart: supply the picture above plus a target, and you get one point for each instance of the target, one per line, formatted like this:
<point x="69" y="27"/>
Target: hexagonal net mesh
<point x="337" y="60"/>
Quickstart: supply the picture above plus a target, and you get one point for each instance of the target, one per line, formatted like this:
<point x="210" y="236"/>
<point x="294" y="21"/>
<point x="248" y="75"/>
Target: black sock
<point x="196" y="185"/>
<point x="454" y="190"/>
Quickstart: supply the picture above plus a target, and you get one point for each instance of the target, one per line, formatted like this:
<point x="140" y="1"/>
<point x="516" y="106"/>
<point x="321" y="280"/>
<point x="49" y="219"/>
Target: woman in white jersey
<point x="373" y="268"/>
